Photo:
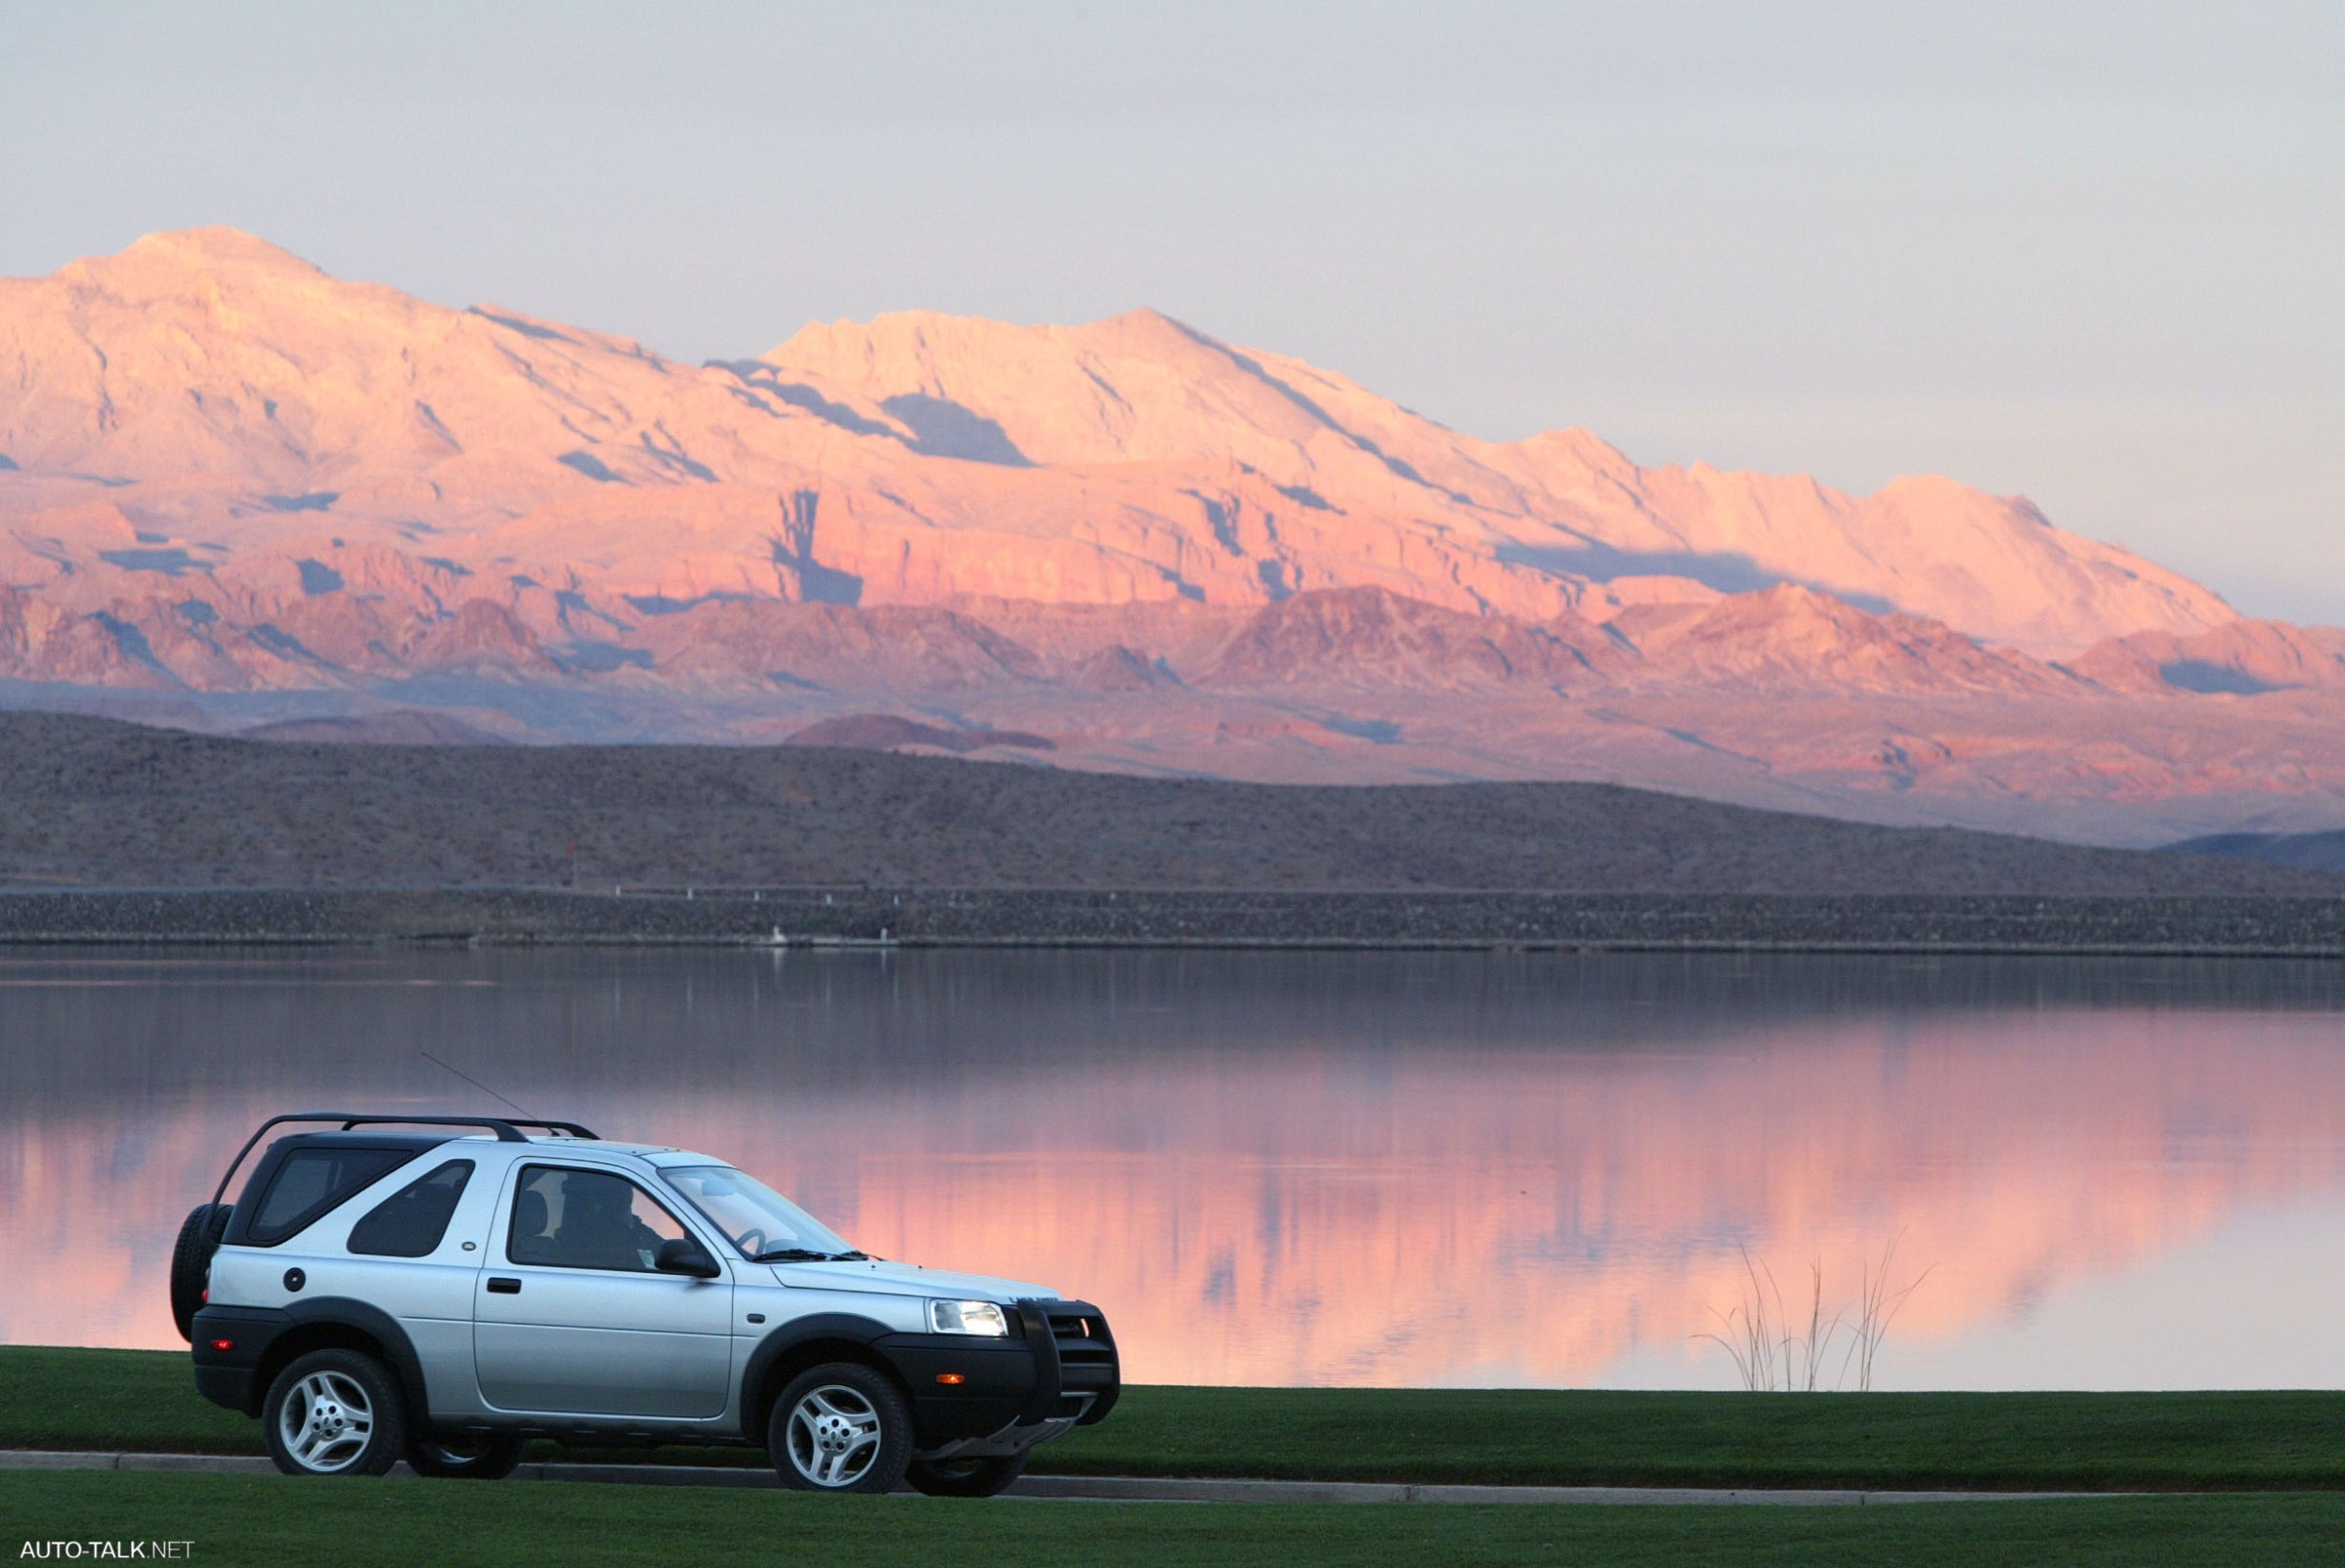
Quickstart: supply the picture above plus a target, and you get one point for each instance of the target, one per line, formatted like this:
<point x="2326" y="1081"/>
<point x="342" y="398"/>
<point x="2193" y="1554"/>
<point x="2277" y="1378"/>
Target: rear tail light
<point x="223" y="1344"/>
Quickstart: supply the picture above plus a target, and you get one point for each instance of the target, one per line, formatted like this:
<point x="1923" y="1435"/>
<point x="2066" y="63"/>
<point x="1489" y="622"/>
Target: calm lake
<point x="1269" y="1167"/>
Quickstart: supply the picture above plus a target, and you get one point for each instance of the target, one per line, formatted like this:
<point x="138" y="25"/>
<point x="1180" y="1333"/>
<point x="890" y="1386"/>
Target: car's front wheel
<point x="334" y="1412"/>
<point x="965" y="1479"/>
<point x="485" y="1459"/>
<point x="840" y="1427"/>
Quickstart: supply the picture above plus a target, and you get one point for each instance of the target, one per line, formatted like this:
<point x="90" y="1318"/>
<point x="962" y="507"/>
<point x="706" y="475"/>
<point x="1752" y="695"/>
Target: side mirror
<point x="681" y="1254"/>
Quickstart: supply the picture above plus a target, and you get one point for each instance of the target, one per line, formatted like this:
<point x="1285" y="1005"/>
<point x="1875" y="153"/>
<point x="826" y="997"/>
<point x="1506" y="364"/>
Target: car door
<point x="569" y="1317"/>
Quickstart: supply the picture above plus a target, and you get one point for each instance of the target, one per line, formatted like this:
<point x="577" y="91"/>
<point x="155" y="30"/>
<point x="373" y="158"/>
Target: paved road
<point x="1091" y="1488"/>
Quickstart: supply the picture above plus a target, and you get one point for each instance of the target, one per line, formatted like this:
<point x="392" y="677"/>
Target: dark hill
<point x="885" y="732"/>
<point x="399" y="727"/>
<point x="2321" y="852"/>
<point x="94" y="802"/>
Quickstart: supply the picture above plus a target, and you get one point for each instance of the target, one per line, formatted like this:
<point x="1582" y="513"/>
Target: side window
<point x="411" y="1220"/>
<point x="570" y="1218"/>
<point x="311" y="1181"/>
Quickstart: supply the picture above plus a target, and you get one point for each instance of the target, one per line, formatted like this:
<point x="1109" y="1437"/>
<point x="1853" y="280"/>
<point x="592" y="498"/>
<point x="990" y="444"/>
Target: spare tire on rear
<point x="192" y="1262"/>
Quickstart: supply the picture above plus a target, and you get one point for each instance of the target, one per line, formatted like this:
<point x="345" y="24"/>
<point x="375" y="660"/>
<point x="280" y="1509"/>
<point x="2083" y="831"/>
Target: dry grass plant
<point x="1775" y="1352"/>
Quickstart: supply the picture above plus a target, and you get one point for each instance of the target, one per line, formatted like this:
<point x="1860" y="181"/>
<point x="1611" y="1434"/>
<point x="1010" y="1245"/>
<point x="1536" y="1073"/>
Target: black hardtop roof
<point x="506" y="1127"/>
<point x="342" y="1139"/>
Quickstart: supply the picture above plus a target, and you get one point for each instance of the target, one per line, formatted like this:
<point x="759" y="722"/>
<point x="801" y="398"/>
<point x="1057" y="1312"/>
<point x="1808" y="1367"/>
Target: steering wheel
<point x="744" y="1243"/>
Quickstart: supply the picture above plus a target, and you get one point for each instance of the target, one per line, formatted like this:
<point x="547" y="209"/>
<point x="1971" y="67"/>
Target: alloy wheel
<point x="326" y="1421"/>
<point x="834" y="1436"/>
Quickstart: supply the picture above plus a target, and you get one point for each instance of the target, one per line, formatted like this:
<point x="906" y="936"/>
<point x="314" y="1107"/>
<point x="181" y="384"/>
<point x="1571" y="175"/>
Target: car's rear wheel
<point x="840" y="1427"/>
<point x="192" y="1262"/>
<point x="965" y="1479"/>
<point x="485" y="1459"/>
<point x="334" y="1412"/>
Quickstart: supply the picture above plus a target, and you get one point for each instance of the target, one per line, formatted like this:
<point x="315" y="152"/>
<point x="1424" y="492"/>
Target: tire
<point x="192" y="1262"/>
<point x="965" y="1479"/>
<point x="840" y="1427"/>
<point x="488" y="1459"/>
<point x="336" y="1412"/>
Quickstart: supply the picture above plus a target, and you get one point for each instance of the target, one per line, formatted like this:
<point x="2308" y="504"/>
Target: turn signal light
<point x="951" y="1377"/>
<point x="223" y="1344"/>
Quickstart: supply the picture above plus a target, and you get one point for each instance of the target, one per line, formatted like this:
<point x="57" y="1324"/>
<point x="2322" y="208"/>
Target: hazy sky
<point x="2091" y="254"/>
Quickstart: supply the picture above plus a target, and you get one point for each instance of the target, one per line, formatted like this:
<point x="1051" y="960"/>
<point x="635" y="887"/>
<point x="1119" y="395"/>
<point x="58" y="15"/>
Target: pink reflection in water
<point x="1321" y="1215"/>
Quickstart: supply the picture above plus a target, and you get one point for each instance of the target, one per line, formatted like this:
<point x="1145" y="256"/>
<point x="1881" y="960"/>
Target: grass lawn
<point x="273" y="1520"/>
<point x="147" y="1400"/>
<point x="1992" y="1442"/>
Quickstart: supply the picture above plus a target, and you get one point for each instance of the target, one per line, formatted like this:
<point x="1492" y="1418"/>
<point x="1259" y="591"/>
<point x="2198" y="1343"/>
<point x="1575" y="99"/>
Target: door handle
<point x="503" y="1286"/>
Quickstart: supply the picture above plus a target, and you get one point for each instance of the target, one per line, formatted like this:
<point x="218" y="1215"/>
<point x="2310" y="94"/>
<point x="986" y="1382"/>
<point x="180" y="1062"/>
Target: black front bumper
<point x="229" y="1377"/>
<point x="1062" y="1362"/>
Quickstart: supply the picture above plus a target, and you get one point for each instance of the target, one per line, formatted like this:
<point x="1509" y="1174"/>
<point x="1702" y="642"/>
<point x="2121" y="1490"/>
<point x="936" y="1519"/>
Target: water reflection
<point x="1364" y="1168"/>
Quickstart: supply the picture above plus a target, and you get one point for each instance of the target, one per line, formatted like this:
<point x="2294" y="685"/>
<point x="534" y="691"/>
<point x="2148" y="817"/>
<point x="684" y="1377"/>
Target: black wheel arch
<point x="340" y="1323"/>
<point x="805" y="1343"/>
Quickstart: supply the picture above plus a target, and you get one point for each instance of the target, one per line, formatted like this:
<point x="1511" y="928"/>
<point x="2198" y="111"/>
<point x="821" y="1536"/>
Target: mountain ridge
<point x="211" y="359"/>
<point x="236" y="486"/>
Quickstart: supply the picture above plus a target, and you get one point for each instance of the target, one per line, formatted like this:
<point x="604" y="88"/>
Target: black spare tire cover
<point x="192" y="1262"/>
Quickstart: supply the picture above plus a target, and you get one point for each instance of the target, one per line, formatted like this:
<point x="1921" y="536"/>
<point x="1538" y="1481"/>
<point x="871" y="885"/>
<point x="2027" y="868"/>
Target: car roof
<point x="602" y="1145"/>
<point x="657" y="1154"/>
<point x="363" y="1140"/>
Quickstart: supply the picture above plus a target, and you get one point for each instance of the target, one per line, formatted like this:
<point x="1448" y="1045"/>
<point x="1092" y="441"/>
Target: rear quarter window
<point x="309" y="1182"/>
<point x="411" y="1222"/>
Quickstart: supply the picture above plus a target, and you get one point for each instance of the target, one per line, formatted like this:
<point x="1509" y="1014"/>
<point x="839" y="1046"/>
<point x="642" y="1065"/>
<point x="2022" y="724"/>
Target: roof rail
<point x="506" y="1127"/>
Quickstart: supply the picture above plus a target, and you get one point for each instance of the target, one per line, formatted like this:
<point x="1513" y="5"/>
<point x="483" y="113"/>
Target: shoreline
<point x="869" y="918"/>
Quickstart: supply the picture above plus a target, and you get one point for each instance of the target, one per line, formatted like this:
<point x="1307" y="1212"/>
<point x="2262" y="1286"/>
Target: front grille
<point x="1089" y="1376"/>
<point x="1086" y="1353"/>
<point x="1082" y="1340"/>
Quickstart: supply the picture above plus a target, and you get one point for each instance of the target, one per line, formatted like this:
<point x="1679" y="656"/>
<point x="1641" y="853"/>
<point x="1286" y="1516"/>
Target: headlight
<point x="968" y="1316"/>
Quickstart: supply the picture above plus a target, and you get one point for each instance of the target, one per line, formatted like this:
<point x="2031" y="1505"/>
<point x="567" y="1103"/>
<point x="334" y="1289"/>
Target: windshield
<point x="754" y="1218"/>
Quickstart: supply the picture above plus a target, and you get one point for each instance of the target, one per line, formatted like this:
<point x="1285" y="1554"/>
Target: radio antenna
<point x="467" y="1078"/>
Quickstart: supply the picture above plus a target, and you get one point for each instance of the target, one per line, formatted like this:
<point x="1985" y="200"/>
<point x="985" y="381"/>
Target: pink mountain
<point x="233" y="488"/>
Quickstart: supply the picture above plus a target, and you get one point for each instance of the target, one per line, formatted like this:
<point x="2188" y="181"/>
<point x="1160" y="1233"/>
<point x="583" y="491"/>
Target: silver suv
<point x="445" y="1296"/>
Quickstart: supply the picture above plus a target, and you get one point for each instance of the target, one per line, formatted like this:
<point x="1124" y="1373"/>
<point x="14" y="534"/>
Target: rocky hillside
<point x="97" y="803"/>
<point x="236" y="492"/>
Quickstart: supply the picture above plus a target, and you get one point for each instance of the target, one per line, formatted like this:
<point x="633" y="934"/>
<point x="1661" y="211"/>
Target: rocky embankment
<point x="89" y="803"/>
<point x="2247" y="926"/>
<point x="114" y="832"/>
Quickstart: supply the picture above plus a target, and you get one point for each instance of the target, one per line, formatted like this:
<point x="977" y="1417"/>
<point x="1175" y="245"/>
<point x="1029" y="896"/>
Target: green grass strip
<point x="353" y="1523"/>
<point x="1988" y="1442"/>
<point x="146" y="1401"/>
